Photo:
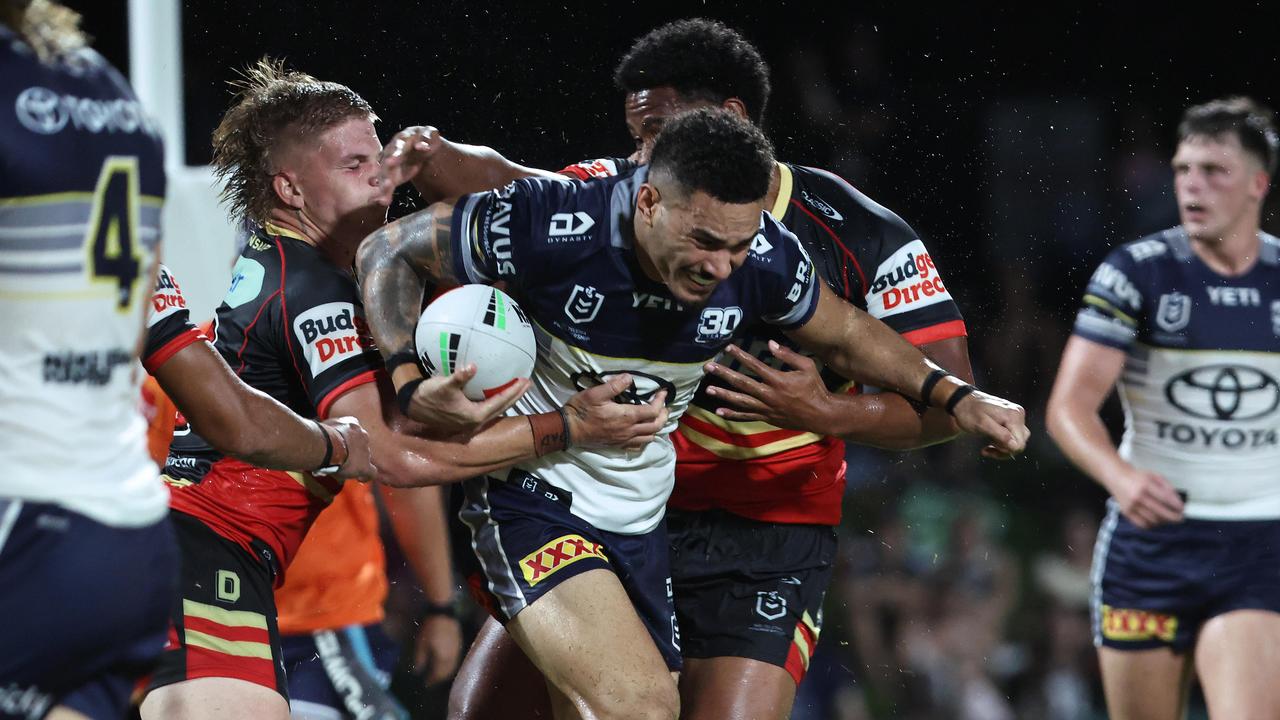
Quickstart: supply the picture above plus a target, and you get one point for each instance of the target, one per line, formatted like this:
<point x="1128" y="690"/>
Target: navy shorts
<point x="84" y="609"/>
<point x="342" y="673"/>
<point x="525" y="541"/>
<point x="745" y="588"/>
<point x="1156" y="588"/>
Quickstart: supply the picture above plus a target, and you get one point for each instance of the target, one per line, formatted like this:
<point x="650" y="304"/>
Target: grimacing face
<point x="337" y="176"/>
<point x="1218" y="184"/>
<point x="692" y="242"/>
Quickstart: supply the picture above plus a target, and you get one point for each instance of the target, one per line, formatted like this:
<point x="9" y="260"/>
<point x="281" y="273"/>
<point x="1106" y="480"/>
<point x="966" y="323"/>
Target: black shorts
<point x="1156" y="588"/>
<point x="525" y="541"/>
<point x="223" y="622"/>
<point x="745" y="588"/>
<point x="342" y="672"/>
<point x="82" y="609"/>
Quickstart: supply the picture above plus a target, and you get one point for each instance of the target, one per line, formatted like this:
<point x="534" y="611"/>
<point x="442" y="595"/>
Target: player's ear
<point x="735" y="106"/>
<point x="1261" y="184"/>
<point x="287" y="190"/>
<point x="647" y="200"/>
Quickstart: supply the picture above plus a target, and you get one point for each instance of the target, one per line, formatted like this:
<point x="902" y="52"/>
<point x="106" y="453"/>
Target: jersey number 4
<point x="114" y="255"/>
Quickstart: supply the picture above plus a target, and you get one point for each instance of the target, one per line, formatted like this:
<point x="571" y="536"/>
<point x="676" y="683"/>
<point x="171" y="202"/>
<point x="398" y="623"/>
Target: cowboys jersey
<point x="81" y="186"/>
<point x="1201" y="380"/>
<point x="566" y="251"/>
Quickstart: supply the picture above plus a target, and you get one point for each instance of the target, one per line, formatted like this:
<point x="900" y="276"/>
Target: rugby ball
<point x="476" y="324"/>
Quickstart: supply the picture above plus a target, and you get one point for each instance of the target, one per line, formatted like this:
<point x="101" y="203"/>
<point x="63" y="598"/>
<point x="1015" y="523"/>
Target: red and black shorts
<point x="223" y="622"/>
<point x="745" y="588"/>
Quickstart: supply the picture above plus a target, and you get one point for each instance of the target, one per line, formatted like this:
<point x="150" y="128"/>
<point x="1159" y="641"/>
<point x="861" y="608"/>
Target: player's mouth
<point x="1195" y="212"/>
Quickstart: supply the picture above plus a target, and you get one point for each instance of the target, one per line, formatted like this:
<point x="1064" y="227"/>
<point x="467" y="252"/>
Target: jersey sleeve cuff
<point x="323" y="407"/>
<point x="936" y="333"/>
<point x="171" y="348"/>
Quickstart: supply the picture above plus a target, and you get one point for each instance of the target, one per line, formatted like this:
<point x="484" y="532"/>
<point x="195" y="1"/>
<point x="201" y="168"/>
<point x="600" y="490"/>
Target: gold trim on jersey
<point x="581" y="353"/>
<point x="76" y="196"/>
<point x="784" y="192"/>
<point x="312" y="486"/>
<point x="275" y="229"/>
<point x="175" y="482"/>
<point x="741" y="452"/>
<point x="1099" y="302"/>
<point x="223" y="616"/>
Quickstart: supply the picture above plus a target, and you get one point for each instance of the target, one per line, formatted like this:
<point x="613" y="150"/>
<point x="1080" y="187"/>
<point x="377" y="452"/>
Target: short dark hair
<point x="717" y="152"/>
<point x="274" y="106"/>
<point x="1253" y="124"/>
<point x="701" y="59"/>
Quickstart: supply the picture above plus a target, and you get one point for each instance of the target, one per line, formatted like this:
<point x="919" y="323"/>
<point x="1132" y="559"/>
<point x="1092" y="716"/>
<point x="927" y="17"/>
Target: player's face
<point x="693" y="243"/>
<point x="338" y="177"/>
<point x="1219" y="186"/>
<point x="648" y="110"/>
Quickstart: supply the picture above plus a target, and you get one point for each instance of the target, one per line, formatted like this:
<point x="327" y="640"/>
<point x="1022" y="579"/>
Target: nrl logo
<point x="1174" y="312"/>
<point x="583" y="304"/>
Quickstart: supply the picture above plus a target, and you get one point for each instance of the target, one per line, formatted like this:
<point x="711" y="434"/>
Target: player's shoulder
<point x="1154" y="250"/>
<point x="838" y="204"/>
<point x="599" y="168"/>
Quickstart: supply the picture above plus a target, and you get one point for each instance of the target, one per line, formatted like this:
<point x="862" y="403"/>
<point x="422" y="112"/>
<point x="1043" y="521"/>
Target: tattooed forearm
<point x="395" y="265"/>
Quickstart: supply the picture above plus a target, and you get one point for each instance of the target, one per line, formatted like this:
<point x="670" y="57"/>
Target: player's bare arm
<point x="440" y="169"/>
<point x="1086" y="376"/>
<point x="796" y="397"/>
<point x="253" y="426"/>
<point x="861" y="348"/>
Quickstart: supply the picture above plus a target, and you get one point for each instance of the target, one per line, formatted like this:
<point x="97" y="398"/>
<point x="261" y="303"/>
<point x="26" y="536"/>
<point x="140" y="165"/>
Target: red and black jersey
<point x="169" y="327"/>
<point x="291" y="326"/>
<point x="870" y="257"/>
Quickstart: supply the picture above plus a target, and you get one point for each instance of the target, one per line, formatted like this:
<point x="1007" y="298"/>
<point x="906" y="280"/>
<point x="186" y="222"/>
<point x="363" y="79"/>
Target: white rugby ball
<point x="476" y="324"/>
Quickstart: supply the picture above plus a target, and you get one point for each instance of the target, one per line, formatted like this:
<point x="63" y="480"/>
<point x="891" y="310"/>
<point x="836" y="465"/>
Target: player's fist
<point x="1146" y="498"/>
<point x="596" y="419"/>
<point x="359" y="464"/>
<point x="404" y="156"/>
<point x="1002" y="422"/>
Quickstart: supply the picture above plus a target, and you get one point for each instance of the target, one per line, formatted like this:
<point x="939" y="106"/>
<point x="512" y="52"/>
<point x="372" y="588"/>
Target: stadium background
<point x="1020" y="142"/>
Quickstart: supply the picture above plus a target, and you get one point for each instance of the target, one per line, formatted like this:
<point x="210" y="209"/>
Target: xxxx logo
<point x="1125" y="624"/>
<point x="564" y="550"/>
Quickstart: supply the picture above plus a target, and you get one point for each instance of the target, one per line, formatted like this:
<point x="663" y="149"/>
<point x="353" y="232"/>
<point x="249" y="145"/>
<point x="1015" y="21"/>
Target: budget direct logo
<point x="1124" y="624"/>
<point x="1224" y="392"/>
<point x="167" y="299"/>
<point x="559" y="553"/>
<point x="907" y="280"/>
<point x="331" y="333"/>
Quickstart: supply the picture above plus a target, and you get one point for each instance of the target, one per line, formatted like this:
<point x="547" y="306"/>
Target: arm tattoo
<point x="395" y="265"/>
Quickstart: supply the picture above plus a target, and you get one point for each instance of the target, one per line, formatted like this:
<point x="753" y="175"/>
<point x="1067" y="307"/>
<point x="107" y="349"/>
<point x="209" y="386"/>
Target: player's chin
<point x="691" y="293"/>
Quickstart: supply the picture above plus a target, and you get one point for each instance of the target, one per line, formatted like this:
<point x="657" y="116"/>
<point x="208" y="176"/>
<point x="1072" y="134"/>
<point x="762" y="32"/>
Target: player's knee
<point x="658" y="701"/>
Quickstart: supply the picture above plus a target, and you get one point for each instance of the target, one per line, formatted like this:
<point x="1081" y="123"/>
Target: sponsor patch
<point x="1128" y="625"/>
<point x="246" y="282"/>
<point x="167" y="300"/>
<point x="906" y="281"/>
<point x="559" y="553"/>
<point x="331" y="333"/>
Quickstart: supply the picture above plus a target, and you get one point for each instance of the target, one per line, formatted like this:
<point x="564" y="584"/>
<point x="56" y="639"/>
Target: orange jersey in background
<point x="339" y="576"/>
<point x="160" y="413"/>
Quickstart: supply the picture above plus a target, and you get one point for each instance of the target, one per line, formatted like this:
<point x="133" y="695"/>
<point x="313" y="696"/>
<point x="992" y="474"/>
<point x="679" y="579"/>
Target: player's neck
<point x="297" y="225"/>
<point x="775" y="186"/>
<point x="1234" y="253"/>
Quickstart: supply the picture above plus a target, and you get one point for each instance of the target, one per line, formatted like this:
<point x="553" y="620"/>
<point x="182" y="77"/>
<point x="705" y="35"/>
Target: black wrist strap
<point x="328" y="446"/>
<point x="449" y="609"/>
<point x="405" y="395"/>
<point x="963" y="392"/>
<point x="926" y="389"/>
<point x="401" y="357"/>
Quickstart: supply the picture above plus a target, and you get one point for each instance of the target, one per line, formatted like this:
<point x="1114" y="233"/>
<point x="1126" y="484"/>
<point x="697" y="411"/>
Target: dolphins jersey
<point x="566" y="251"/>
<point x="1201" y="380"/>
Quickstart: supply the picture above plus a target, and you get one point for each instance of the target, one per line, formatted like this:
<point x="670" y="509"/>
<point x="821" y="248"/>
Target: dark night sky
<point x="534" y="81"/>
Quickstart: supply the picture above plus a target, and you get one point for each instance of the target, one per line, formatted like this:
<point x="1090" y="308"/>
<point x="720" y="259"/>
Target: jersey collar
<point x="784" y="193"/>
<point x="275" y="229"/>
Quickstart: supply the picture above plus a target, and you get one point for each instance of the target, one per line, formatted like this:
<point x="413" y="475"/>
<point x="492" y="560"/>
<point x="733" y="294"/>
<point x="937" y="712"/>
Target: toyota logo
<point x="1224" y="392"/>
<point x="643" y="385"/>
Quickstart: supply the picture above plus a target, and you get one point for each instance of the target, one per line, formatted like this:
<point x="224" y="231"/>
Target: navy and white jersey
<point x="1201" y="381"/>
<point x="81" y="187"/>
<point x="566" y="251"/>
